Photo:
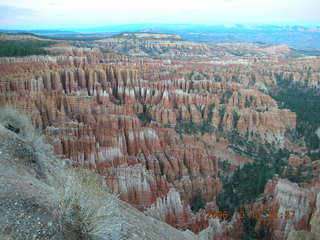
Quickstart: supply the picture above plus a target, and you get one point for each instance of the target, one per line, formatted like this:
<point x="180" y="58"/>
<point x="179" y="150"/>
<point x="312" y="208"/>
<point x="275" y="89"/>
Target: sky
<point x="67" y="14"/>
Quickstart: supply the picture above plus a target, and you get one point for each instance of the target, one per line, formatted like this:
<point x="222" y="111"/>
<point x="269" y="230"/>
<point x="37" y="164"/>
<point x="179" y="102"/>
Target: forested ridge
<point x="20" y="48"/>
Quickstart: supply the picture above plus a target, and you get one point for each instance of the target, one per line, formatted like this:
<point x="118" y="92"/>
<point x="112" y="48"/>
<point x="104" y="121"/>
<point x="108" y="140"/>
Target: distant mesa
<point x="146" y="35"/>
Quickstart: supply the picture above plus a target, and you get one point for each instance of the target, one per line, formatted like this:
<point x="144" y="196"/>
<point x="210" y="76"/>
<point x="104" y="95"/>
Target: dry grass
<point x="77" y="198"/>
<point x="84" y="206"/>
<point x="17" y="122"/>
<point x="4" y="236"/>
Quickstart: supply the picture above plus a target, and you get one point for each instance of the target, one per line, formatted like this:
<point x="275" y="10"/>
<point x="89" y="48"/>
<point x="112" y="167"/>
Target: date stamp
<point x="256" y="214"/>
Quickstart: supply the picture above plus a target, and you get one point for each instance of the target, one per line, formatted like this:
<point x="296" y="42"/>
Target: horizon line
<point x="229" y="25"/>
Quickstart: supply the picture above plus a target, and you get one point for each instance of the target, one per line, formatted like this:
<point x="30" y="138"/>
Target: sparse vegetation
<point x="145" y="116"/>
<point x="17" y="122"/>
<point x="226" y="96"/>
<point x="83" y="206"/>
<point x="250" y="231"/>
<point x="4" y="236"/>
<point x="190" y="127"/>
<point x="197" y="202"/>
<point x="224" y="165"/>
<point x="301" y="174"/>
<point x="77" y="198"/>
<point x="236" y="118"/>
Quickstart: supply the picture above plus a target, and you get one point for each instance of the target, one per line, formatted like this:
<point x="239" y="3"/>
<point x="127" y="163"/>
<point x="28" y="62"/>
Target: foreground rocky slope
<point x="42" y="198"/>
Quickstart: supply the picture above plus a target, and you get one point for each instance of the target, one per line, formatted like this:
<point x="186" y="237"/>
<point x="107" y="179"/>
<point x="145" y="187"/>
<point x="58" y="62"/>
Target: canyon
<point x="168" y="122"/>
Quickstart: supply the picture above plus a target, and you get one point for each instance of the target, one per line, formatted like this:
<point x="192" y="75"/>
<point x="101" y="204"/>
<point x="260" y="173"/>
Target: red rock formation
<point x="221" y="230"/>
<point x="315" y="230"/>
<point x="288" y="207"/>
<point x="89" y="104"/>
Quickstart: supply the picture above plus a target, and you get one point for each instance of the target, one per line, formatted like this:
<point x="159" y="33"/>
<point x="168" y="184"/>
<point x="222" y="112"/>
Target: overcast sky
<point x="36" y="14"/>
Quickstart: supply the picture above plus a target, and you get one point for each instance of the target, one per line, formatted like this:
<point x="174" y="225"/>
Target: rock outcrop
<point x="158" y="130"/>
<point x="314" y="231"/>
<point x="36" y="191"/>
<point x="286" y="207"/>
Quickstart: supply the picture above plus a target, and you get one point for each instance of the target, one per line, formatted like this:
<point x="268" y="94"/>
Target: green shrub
<point x="190" y="127"/>
<point x="145" y="116"/>
<point x="197" y="202"/>
<point x="302" y="174"/>
<point x="224" y="165"/>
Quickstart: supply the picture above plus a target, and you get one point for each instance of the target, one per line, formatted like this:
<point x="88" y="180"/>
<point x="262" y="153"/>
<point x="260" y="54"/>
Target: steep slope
<point x="314" y="233"/>
<point x="42" y="198"/>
